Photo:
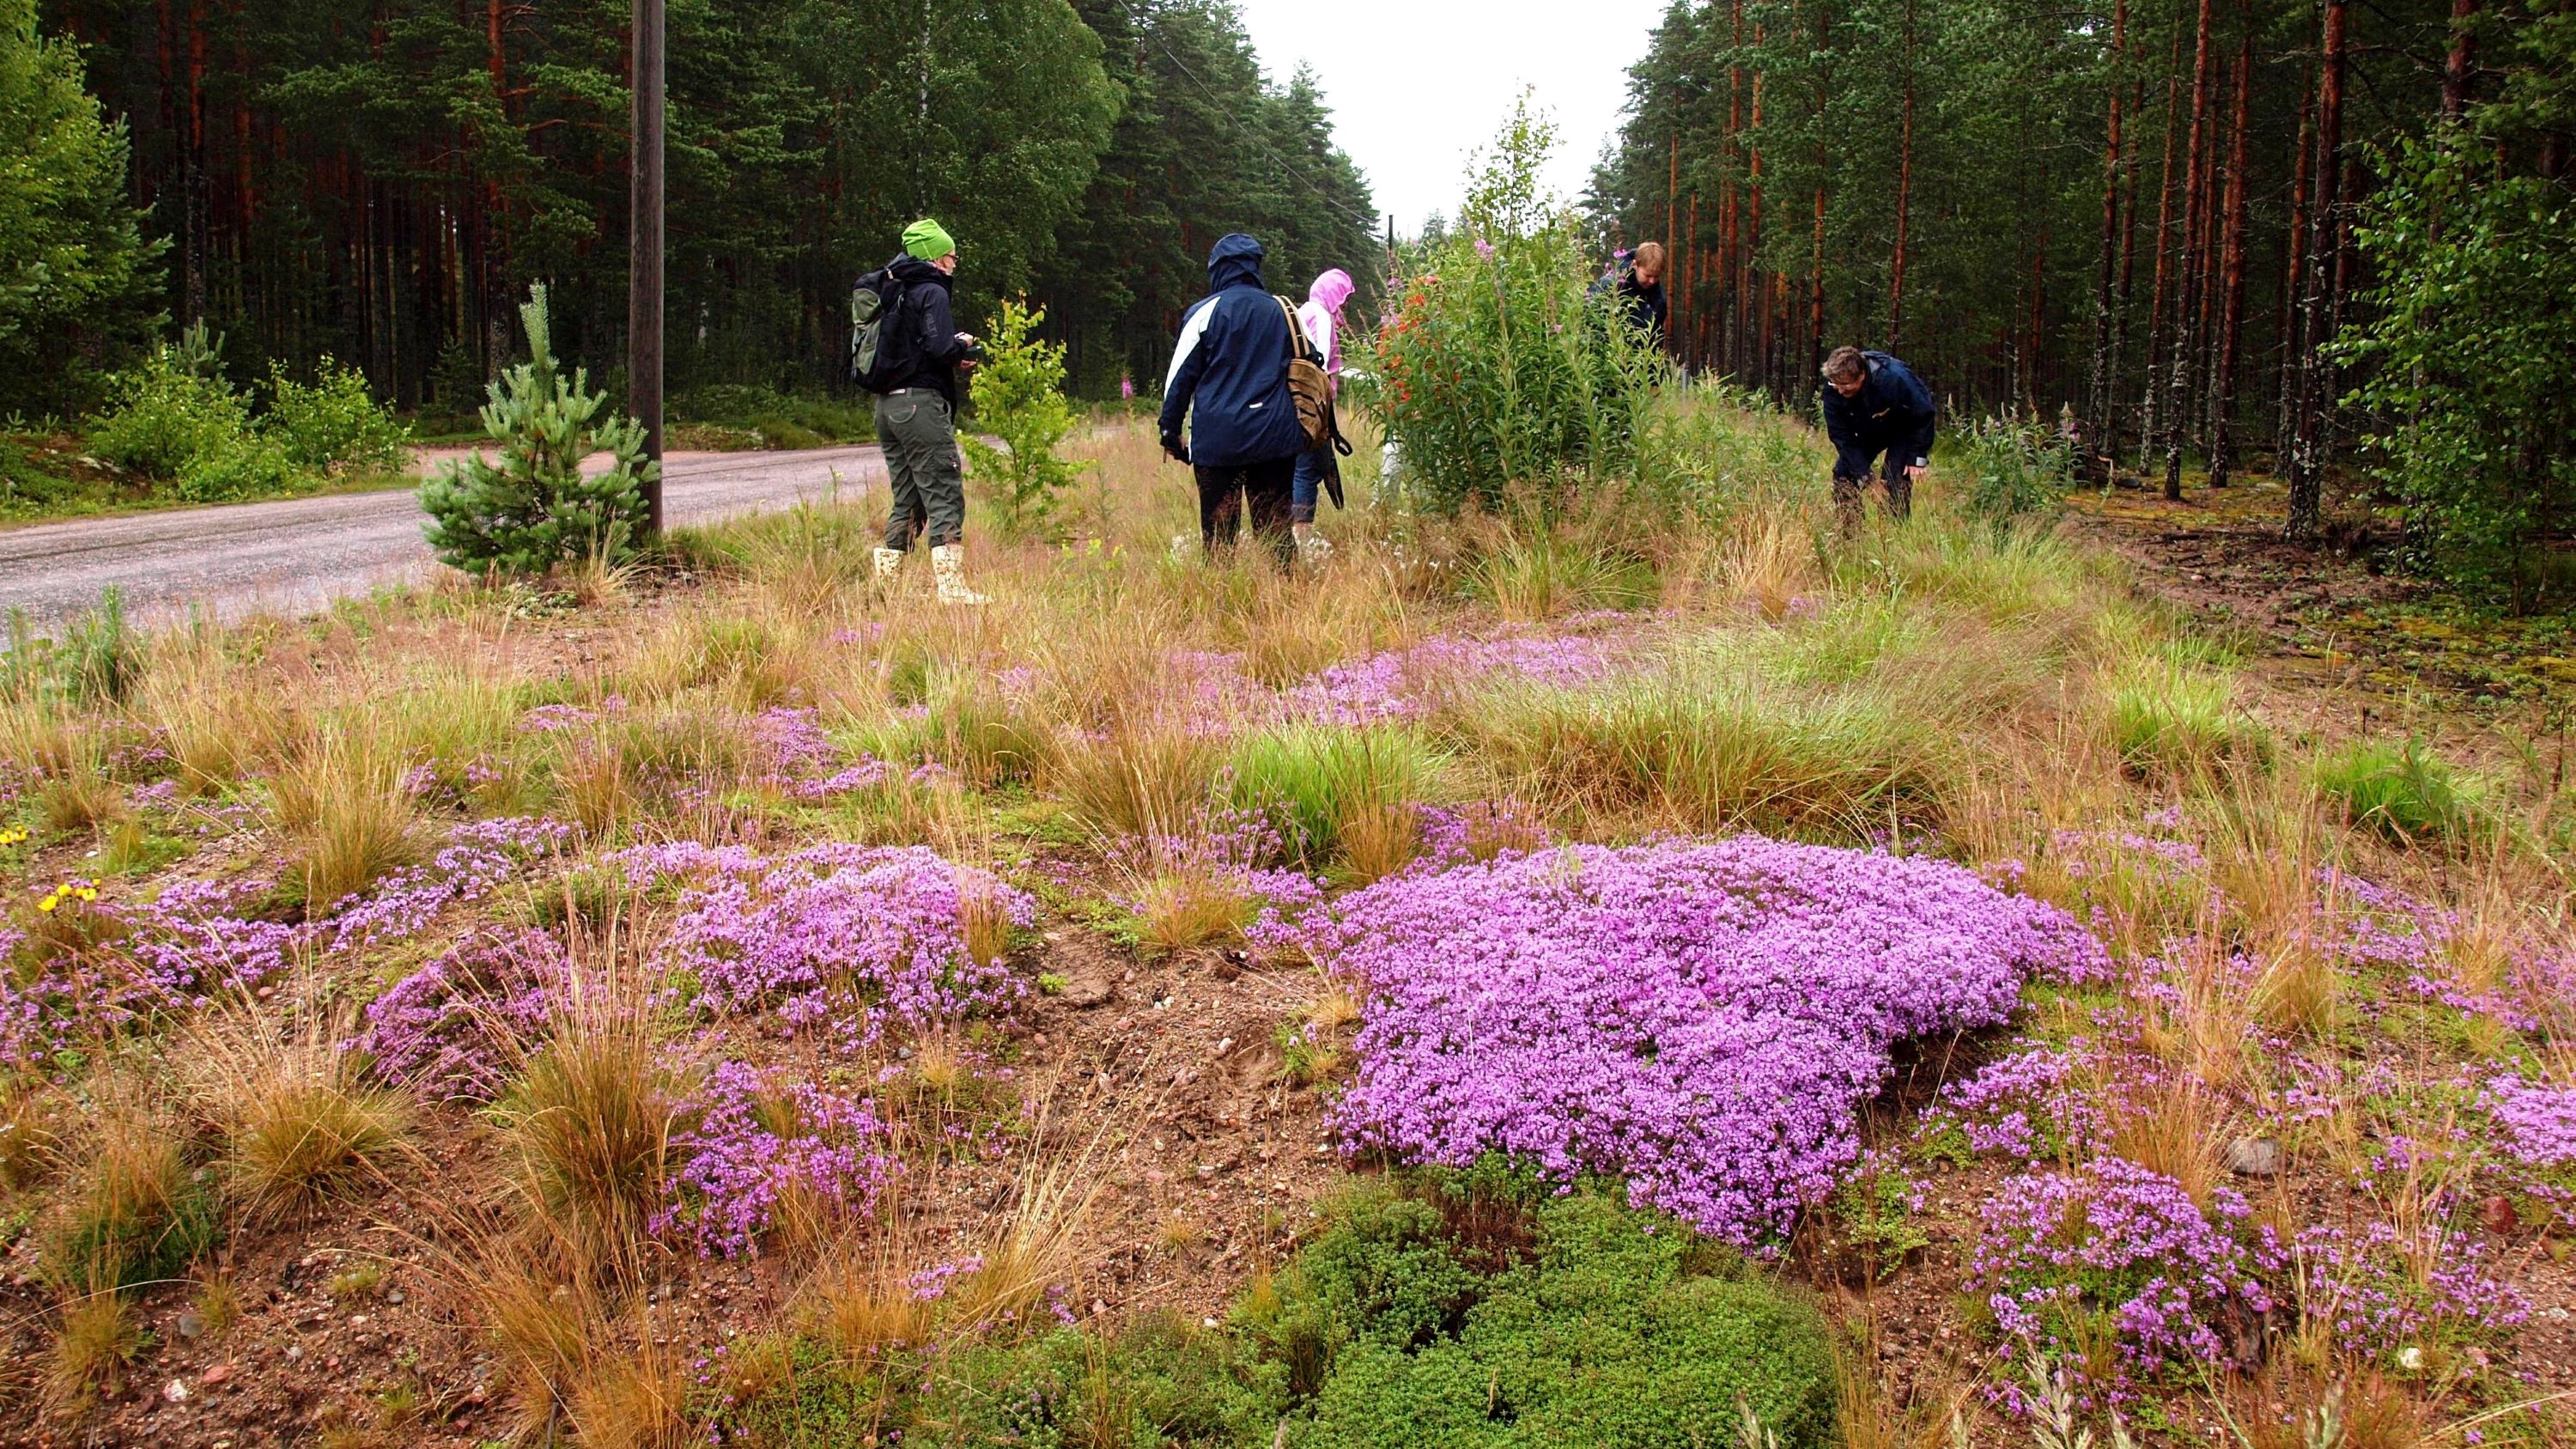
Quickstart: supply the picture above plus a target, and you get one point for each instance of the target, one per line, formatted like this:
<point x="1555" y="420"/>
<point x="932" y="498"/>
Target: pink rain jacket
<point x="1321" y="318"/>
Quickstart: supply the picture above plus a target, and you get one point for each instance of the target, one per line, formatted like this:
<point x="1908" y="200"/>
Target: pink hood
<point x="1327" y="295"/>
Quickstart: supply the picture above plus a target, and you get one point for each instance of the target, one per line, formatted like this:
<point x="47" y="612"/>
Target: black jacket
<point x="1642" y="303"/>
<point x="924" y="330"/>
<point x="1892" y="412"/>
<point x="1230" y="370"/>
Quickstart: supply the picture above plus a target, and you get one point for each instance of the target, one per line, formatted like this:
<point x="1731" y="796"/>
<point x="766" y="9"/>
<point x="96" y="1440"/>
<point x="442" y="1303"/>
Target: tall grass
<point x="589" y="1123"/>
<point x="1328" y="787"/>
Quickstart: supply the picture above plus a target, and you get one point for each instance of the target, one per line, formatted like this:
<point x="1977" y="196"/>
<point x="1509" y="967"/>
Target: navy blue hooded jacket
<point x="1230" y="371"/>
<point x="1892" y="412"/>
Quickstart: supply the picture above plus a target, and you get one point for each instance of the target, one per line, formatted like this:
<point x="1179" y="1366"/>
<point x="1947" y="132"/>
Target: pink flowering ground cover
<point x="1703" y="1019"/>
<point x="835" y="934"/>
<point x="1409" y="683"/>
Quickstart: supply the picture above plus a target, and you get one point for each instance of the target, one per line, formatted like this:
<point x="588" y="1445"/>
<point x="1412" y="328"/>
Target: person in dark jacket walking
<point x="1875" y="404"/>
<point x="1229" y="377"/>
<point x="916" y="415"/>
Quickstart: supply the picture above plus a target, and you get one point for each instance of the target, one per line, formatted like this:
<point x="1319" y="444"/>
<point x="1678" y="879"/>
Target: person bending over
<point x="1875" y="404"/>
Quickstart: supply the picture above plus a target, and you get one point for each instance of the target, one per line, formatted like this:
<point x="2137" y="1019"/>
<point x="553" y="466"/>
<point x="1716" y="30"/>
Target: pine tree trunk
<point x="1904" y="191"/>
<point x="2457" y="67"/>
<point x="2231" y="332"/>
<point x="2306" y="470"/>
<point x="2178" y="377"/>
<point x="2098" y="389"/>
<point x="2293" y="279"/>
<point x="2149" y="410"/>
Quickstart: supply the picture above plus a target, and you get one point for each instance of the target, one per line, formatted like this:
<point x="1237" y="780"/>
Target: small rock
<point x="2254" y="1157"/>
<point x="191" y="1325"/>
<point x="176" y="1391"/>
<point x="2410" y="1358"/>
<point x="394" y="1298"/>
<point x="294" y="1351"/>
<point x="215" y="1375"/>
<point x="1085" y="991"/>
<point x="1038" y="1039"/>
<point x="2499" y="1217"/>
<point x="1223" y="1045"/>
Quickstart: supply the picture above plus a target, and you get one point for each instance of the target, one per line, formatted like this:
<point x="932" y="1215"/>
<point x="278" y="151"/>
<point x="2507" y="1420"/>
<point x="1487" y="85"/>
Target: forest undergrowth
<point x="1631" y="966"/>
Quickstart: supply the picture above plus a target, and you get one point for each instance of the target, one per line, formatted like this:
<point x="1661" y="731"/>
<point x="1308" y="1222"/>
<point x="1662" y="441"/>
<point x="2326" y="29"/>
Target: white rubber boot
<point x="948" y="565"/>
<point x="888" y="560"/>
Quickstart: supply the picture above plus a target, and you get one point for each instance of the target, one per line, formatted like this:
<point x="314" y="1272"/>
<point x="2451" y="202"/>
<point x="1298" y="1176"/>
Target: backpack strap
<point x="1299" y="345"/>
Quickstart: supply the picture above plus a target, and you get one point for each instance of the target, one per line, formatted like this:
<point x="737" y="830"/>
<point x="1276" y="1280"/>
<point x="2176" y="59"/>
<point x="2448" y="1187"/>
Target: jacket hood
<point x="1235" y="261"/>
<point x="1331" y="290"/>
<point x="911" y="270"/>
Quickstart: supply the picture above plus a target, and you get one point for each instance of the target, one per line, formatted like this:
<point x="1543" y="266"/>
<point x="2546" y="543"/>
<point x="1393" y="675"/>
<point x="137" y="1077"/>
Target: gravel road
<point x="299" y="554"/>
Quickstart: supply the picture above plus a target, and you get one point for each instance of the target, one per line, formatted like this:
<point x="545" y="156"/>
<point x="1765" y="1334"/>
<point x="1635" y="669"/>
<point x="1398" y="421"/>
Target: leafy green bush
<point x="1473" y="1311"/>
<point x="1019" y="397"/>
<point x="176" y="420"/>
<point x="333" y="424"/>
<point x="534" y="509"/>
<point x="2462" y="338"/>
<point x="78" y="281"/>
<point x="2016" y="466"/>
<point x="1498" y="366"/>
<point x="2406" y="793"/>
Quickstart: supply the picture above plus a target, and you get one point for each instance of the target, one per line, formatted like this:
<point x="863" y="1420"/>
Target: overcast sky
<point x="1417" y="84"/>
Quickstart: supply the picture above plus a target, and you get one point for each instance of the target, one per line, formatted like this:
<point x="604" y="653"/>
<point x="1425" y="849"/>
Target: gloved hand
<point x="1179" y="451"/>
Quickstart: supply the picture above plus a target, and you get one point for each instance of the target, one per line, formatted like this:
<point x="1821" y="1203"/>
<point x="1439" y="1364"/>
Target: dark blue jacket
<point x="1230" y="371"/>
<point x="1892" y="412"/>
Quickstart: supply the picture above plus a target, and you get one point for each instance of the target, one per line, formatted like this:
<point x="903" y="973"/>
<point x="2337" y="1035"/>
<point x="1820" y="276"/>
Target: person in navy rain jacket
<point x="1230" y="377"/>
<point x="1875" y="404"/>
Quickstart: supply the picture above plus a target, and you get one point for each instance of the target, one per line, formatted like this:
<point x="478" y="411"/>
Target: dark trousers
<point x="1225" y="492"/>
<point x="1900" y="489"/>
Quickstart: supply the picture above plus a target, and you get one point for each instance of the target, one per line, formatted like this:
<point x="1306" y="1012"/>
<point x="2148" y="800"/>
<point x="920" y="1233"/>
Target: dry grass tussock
<point x="298" y="1122"/>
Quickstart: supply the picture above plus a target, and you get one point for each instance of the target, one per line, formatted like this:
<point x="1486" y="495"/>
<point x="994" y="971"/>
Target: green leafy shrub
<point x="1018" y="396"/>
<point x="2016" y="467"/>
<point x="79" y="283"/>
<point x="333" y="424"/>
<point x="2406" y="793"/>
<point x="177" y="421"/>
<point x="2460" y="338"/>
<point x="1476" y="1311"/>
<point x="1498" y="367"/>
<point x="534" y="508"/>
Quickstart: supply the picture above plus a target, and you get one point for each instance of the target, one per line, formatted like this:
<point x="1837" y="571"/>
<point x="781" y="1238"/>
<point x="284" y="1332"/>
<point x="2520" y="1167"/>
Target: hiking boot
<point x="948" y="565"/>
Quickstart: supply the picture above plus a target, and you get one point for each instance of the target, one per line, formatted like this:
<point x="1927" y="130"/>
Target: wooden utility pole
<point x="644" y="274"/>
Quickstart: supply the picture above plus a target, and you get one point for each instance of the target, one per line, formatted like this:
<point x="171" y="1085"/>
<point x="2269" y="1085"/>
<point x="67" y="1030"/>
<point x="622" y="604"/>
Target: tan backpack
<point x="1308" y="384"/>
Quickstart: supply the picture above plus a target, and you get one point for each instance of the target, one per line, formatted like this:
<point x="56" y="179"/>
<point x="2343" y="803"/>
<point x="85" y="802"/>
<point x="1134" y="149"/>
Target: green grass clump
<point x="1316" y="783"/>
<point x="2405" y="792"/>
<point x="2168" y="721"/>
<point x="1709" y="749"/>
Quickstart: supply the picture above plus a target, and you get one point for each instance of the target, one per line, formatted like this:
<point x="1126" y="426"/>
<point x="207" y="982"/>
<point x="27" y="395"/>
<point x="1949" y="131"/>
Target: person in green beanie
<point x="916" y="410"/>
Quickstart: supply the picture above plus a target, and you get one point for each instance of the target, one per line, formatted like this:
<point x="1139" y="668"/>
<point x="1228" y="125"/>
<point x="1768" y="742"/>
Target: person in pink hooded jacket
<point x="1321" y="320"/>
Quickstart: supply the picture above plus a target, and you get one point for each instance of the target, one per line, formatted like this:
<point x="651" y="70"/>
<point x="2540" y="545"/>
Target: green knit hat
<point x="928" y="240"/>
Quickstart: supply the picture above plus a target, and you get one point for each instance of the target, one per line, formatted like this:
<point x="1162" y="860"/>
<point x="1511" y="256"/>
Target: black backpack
<point x="876" y="300"/>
